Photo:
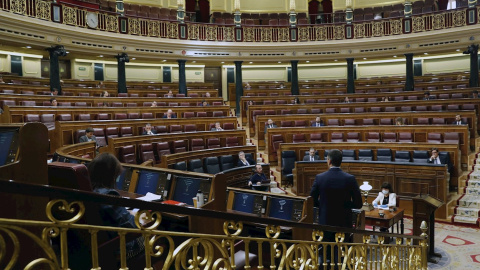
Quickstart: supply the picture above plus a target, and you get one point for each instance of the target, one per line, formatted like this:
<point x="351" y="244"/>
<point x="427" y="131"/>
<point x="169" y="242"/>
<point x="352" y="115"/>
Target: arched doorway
<point x="201" y="9"/>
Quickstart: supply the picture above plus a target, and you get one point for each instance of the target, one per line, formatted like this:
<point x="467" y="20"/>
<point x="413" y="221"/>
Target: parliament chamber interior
<point x="189" y="134"/>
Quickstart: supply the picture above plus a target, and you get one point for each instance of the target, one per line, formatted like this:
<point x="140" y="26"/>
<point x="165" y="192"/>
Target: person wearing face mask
<point x="386" y="196"/>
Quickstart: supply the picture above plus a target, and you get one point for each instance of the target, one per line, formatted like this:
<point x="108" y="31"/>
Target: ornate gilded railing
<point x="107" y="21"/>
<point x="188" y="250"/>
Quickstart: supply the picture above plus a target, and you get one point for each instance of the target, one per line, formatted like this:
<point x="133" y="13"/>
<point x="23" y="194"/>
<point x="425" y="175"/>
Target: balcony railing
<point x="183" y="250"/>
<point x="73" y="15"/>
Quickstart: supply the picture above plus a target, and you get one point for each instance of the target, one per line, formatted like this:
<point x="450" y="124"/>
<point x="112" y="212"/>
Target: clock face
<point x="92" y="20"/>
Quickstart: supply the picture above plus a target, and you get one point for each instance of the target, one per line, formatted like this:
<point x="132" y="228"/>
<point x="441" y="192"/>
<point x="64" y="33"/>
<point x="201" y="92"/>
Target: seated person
<point x="426" y="96"/>
<point x="148" y="130"/>
<point x="154" y="104"/>
<point x="54" y="92"/>
<point x="386" y="196"/>
<point x="217" y="127"/>
<point x="53" y="102"/>
<point x="169" y="94"/>
<point x="258" y="178"/>
<point x="207" y="94"/>
<point x="399" y="121"/>
<point x="311" y="155"/>
<point x="281" y="86"/>
<point x="270" y="124"/>
<point x="475" y="94"/>
<point x="318" y="122"/>
<point x="88" y="137"/>
<point x="104" y="94"/>
<point x="244" y="161"/>
<point x="101" y="85"/>
<point x="169" y="114"/>
<point x="248" y="86"/>
<point x="458" y="120"/>
<point x="1" y="80"/>
<point x="205" y="103"/>
<point x="296" y="100"/>
<point x="104" y="170"/>
<point x="347" y="100"/>
<point x="437" y="159"/>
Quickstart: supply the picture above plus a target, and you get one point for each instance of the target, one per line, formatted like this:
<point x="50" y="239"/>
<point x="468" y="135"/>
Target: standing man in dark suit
<point x="458" y="120"/>
<point x="269" y="124"/>
<point x="335" y="193"/>
<point x="311" y="155"/>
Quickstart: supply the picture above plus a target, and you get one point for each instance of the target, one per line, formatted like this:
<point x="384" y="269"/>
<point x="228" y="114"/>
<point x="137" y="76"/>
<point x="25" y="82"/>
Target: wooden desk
<point x="410" y="118"/>
<point x="367" y="106"/>
<point x="408" y="180"/>
<point x="373" y="218"/>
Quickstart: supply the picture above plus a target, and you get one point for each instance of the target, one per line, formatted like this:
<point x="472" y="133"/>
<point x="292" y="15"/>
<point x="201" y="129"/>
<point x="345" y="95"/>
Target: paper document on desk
<point x="150" y="197"/>
<point x="383" y="207"/>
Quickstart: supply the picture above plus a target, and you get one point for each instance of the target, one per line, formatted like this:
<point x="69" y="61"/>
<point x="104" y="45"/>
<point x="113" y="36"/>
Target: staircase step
<point x="462" y="219"/>
<point x="467" y="212"/>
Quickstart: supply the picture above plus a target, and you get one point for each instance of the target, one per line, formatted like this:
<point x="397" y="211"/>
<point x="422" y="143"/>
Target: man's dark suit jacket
<point x="267" y="127"/>
<point x="336" y="193"/>
<point x="307" y="157"/>
<point x="145" y="132"/>
<point x="84" y="138"/>
<point x="173" y="116"/>
<point x="315" y="124"/>
<point x="462" y="122"/>
<point x="250" y="161"/>
<point x="444" y="159"/>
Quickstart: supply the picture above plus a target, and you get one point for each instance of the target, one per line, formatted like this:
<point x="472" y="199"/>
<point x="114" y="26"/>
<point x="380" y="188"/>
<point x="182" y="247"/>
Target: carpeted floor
<point x="459" y="246"/>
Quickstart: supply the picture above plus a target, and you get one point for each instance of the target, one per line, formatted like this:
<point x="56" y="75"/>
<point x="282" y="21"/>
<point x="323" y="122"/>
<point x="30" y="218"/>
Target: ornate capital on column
<point x="122" y="57"/>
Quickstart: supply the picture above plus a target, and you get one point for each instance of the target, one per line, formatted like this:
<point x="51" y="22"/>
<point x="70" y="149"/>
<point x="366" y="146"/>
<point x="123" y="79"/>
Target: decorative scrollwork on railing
<point x="111" y="23"/>
<point x="18" y="6"/>
<point x="377" y="29"/>
<point x="228" y="34"/>
<point x="193" y="31"/>
<point x="248" y="34"/>
<point x="60" y="211"/>
<point x="134" y="26"/>
<point x="283" y="34"/>
<point x="50" y="257"/>
<point x="172" y="31"/>
<point x="153" y="28"/>
<point x="266" y="34"/>
<point x="418" y="24"/>
<point x="145" y="217"/>
<point x="317" y="236"/>
<point x="230" y="225"/>
<point x="438" y="21"/>
<point x="43" y="10"/>
<point x="211" y="32"/>
<point x="202" y="254"/>
<point x="390" y="258"/>
<point x="272" y="231"/>
<point x="359" y="30"/>
<point x="69" y="15"/>
<point x="396" y="27"/>
<point x="301" y="256"/>
<point x="460" y="18"/>
<point x="339" y="32"/>
<point x="355" y="258"/>
<point x="320" y="33"/>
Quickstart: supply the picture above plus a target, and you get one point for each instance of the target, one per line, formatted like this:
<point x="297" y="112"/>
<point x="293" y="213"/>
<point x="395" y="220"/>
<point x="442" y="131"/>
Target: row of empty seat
<point x="154" y="151"/>
<point x="367" y="122"/>
<point x="422" y="108"/>
<point x="103" y="104"/>
<point x="86" y="94"/>
<point x="51" y="118"/>
<point x="415" y="156"/>
<point x="432" y="137"/>
<point x="114" y="132"/>
<point x="211" y="165"/>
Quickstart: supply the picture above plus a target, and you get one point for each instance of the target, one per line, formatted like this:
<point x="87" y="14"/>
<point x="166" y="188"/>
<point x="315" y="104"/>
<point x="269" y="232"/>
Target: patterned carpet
<point x="459" y="246"/>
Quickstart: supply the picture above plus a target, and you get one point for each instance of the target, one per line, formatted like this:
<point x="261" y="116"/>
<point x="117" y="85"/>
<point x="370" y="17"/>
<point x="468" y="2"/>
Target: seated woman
<point x="104" y="170"/>
<point x="386" y="197"/>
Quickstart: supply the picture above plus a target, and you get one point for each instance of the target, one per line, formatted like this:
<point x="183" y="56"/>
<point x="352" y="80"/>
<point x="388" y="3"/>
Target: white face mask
<point x="385" y="192"/>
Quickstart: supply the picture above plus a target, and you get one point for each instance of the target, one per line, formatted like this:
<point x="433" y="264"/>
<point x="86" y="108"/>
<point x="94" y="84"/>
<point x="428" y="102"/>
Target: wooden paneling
<point x="407" y="180"/>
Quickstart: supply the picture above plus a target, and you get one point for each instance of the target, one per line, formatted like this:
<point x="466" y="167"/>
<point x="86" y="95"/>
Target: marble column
<point x="182" y="78"/>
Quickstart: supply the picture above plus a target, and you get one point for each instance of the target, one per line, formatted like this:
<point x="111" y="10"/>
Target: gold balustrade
<point x="75" y="15"/>
<point x="183" y="250"/>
